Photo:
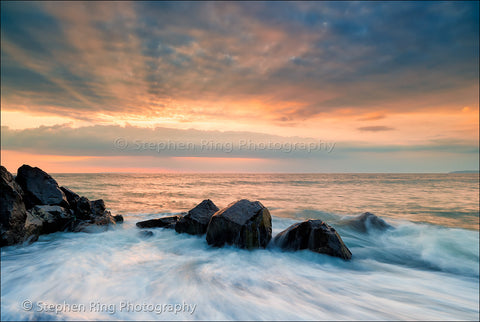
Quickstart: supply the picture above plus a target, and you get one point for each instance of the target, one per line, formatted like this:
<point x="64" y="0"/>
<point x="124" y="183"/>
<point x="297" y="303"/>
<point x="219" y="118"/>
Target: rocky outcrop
<point x="33" y="204"/>
<point x="39" y="187"/>
<point x="195" y="222"/>
<point x="243" y="223"/>
<point x="367" y="222"/>
<point x="12" y="210"/>
<point x="45" y="219"/>
<point x="164" y="222"/>
<point x="315" y="235"/>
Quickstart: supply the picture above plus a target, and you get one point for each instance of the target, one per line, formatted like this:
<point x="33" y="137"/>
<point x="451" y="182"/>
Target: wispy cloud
<point x="378" y="128"/>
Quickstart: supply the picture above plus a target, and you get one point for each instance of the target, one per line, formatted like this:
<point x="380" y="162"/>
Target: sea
<point x="426" y="267"/>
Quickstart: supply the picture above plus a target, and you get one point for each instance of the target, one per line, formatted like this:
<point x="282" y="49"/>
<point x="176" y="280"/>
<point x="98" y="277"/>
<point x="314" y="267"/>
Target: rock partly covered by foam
<point x="12" y="210"/>
<point x="33" y="204"/>
<point x="315" y="235"/>
<point x="195" y="222"/>
<point x="39" y="187"/>
<point x="243" y="223"/>
<point x="367" y="221"/>
<point x="164" y="222"/>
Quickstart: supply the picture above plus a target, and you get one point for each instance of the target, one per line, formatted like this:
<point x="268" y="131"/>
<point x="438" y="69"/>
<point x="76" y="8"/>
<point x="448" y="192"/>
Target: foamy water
<point x="427" y="268"/>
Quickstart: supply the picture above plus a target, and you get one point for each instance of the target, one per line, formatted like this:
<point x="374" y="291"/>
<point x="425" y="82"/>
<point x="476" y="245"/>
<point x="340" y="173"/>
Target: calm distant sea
<point x="449" y="200"/>
<point x="425" y="268"/>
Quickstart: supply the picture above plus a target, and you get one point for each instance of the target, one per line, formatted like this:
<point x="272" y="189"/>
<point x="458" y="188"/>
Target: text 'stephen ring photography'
<point x="239" y="160"/>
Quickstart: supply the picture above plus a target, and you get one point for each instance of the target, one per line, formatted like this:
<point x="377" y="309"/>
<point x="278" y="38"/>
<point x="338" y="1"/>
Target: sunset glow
<point x="378" y="79"/>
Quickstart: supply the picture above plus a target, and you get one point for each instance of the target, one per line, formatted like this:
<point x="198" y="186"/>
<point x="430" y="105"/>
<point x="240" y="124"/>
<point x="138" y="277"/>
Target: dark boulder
<point x="118" y="218"/>
<point x="46" y="219"/>
<point x="71" y="196"/>
<point x="12" y="210"/>
<point x="243" y="223"/>
<point x="366" y="222"/>
<point x="195" y="222"/>
<point x="164" y="222"/>
<point x="315" y="235"/>
<point x="39" y="187"/>
<point x="98" y="208"/>
<point x="83" y="209"/>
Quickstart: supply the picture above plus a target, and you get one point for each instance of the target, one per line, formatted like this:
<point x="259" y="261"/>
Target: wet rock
<point x="243" y="223"/>
<point x="83" y="209"/>
<point x="12" y="210"/>
<point x="118" y="218"/>
<point x="46" y="219"/>
<point x="164" y="222"/>
<point x="71" y="196"/>
<point x="368" y="221"/>
<point x="98" y="207"/>
<point x="195" y="222"/>
<point x="39" y="187"/>
<point x="315" y="235"/>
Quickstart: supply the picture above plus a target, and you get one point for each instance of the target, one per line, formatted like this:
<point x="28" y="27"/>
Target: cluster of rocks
<point x="32" y="204"/>
<point x="248" y="224"/>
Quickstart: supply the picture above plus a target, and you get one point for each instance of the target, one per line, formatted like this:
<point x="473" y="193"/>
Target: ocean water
<point x="425" y="268"/>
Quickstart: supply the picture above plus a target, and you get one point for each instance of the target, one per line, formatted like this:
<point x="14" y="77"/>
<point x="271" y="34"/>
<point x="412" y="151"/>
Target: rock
<point x="98" y="207"/>
<point x="46" y="219"/>
<point x="12" y="210"/>
<point x="195" y="222"/>
<point x="315" y="235"/>
<point x="367" y="221"/>
<point x="106" y="219"/>
<point x="118" y="218"/>
<point x="145" y="233"/>
<point x="83" y="209"/>
<point x="243" y="223"/>
<point x="164" y="222"/>
<point x="71" y="196"/>
<point x="39" y="187"/>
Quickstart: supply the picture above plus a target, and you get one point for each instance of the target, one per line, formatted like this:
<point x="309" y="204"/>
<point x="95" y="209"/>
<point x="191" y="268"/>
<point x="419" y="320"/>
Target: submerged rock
<point x="145" y="233"/>
<point x="12" y="210"/>
<point x="243" y="223"/>
<point x="195" y="222"/>
<point x="367" y="221"/>
<point x="164" y="222"/>
<point x="315" y="235"/>
<point x="39" y="187"/>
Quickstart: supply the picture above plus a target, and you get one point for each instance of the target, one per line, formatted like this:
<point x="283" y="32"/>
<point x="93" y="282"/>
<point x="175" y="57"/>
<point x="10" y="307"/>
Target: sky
<point x="240" y="86"/>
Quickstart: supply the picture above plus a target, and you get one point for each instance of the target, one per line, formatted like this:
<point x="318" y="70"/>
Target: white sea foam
<point x="415" y="271"/>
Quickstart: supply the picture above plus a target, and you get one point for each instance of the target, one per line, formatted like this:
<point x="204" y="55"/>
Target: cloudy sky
<point x="240" y="87"/>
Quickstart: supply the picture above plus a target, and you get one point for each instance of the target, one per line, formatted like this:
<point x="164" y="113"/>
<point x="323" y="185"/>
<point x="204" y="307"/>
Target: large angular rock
<point x="12" y="210"/>
<point x="243" y="223"/>
<point x="195" y="222"/>
<point x="315" y="235"/>
<point x="368" y="221"/>
<point x="71" y="196"/>
<point x="164" y="222"/>
<point x="45" y="219"/>
<point x="39" y="187"/>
